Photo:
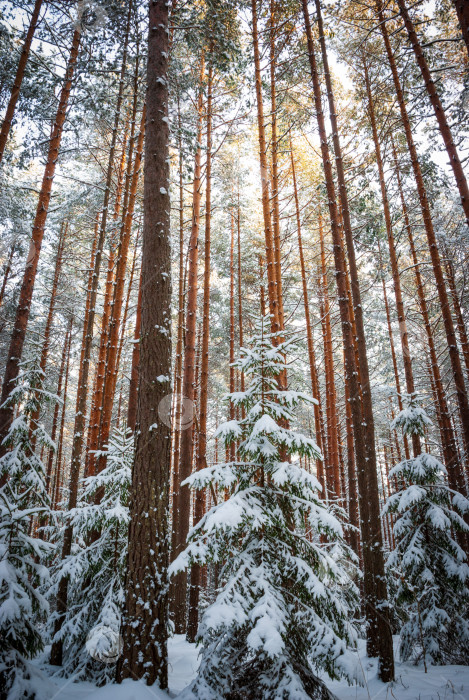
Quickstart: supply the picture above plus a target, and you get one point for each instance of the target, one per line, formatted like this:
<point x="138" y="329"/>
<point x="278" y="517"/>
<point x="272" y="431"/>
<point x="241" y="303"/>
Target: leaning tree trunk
<point x="145" y="626"/>
<point x="6" y="274"/>
<point x="374" y="583"/>
<point x="15" y="91"/>
<point x="458" y="375"/>
<point x="440" y="115"/>
<point x="26" y="294"/>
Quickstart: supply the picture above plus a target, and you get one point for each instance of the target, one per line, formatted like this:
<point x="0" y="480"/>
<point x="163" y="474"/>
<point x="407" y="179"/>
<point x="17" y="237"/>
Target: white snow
<point x="412" y="683"/>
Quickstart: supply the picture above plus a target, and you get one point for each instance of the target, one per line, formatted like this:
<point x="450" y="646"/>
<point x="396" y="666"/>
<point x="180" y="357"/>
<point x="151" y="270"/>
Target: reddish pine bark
<point x="269" y="242"/>
<point x="374" y="584"/>
<point x="15" y="91"/>
<point x="133" y="387"/>
<point x="458" y="376"/>
<point x="462" y="11"/>
<point x="199" y="504"/>
<point x="181" y="499"/>
<point x="29" y="277"/>
<point x="440" y="115"/>
<point x="55" y="419"/>
<point x="145" y="628"/>
<point x="60" y="443"/>
<point x="6" y="274"/>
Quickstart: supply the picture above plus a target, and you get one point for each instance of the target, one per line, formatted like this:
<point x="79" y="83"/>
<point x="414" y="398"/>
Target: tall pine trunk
<point x="145" y="625"/>
<point x="23" y="308"/>
<point x="15" y="91"/>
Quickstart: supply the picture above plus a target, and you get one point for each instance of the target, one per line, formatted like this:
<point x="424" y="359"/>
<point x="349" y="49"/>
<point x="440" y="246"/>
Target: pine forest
<point x="234" y="349"/>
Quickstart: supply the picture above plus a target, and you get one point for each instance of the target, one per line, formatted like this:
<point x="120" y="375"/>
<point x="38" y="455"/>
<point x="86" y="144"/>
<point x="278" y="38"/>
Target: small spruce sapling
<point x="431" y="567"/>
<point x="23" y="553"/>
<point x="96" y="566"/>
<point x="287" y="599"/>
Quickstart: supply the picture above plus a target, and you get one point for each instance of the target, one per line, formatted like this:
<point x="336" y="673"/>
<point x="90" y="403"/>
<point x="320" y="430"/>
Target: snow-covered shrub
<point x="431" y="567"/>
<point x="286" y="601"/>
<point x="23" y="554"/>
<point x="96" y="566"/>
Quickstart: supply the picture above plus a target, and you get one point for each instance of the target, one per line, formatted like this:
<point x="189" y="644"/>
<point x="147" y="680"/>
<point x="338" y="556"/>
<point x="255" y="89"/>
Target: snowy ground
<point x="440" y="683"/>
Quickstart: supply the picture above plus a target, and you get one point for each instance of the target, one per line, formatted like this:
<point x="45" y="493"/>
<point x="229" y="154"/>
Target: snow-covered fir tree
<point x="96" y="566"/>
<point x="429" y="564"/>
<point x="287" y="600"/>
<point x="24" y="505"/>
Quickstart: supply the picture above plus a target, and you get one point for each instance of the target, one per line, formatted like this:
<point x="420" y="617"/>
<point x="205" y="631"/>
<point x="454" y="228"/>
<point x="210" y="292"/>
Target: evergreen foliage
<point x="96" y="566"/>
<point x="23" y="553"/>
<point x="431" y="567"/>
<point x="287" y="600"/>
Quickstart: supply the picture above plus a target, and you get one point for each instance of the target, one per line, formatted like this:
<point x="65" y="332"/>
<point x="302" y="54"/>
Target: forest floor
<point x="412" y="683"/>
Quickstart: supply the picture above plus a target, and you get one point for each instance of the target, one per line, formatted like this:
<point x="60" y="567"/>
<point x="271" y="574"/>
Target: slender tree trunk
<point x="456" y="367"/>
<point x="275" y="177"/>
<point x="60" y="442"/>
<point x="182" y="493"/>
<point x="15" y="91"/>
<point x="462" y="11"/>
<point x="269" y="242"/>
<point x="115" y="320"/>
<point x="374" y="584"/>
<point x="199" y="505"/>
<point x="145" y="628"/>
<point x="240" y="300"/>
<point x="332" y="472"/>
<point x="133" y="387"/>
<point x="48" y="326"/>
<point x="55" y="419"/>
<point x="97" y="397"/>
<point x="440" y="115"/>
<point x="452" y="462"/>
<point x="463" y="339"/>
<point x="24" y="303"/>
<point x="404" y="335"/>
<point x="82" y="392"/>
<point x="6" y="274"/>
<point x="127" y="305"/>
<point x="318" y="419"/>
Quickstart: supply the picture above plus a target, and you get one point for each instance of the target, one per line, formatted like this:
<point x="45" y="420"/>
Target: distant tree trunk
<point x="452" y="462"/>
<point x="318" y="418"/>
<point x="48" y="327"/>
<point x="456" y="367"/>
<point x="375" y="594"/>
<point x="145" y="625"/>
<point x="133" y="387"/>
<point x="462" y="11"/>
<point x="6" y="274"/>
<point x="55" y="419"/>
<point x="269" y="242"/>
<point x="115" y="320"/>
<point x="15" y="351"/>
<point x="232" y="385"/>
<point x="15" y="91"/>
<point x="182" y="493"/>
<point x="60" y="442"/>
<point x="440" y="115"/>
<point x="332" y="464"/>
<point x="82" y="391"/>
<point x="127" y="305"/>
<point x="240" y="299"/>
<point x="463" y="339"/>
<point x="404" y="335"/>
<point x="275" y="176"/>
<point x="97" y="396"/>
<point x="199" y="505"/>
